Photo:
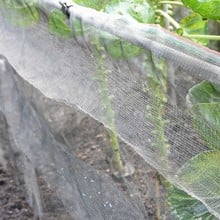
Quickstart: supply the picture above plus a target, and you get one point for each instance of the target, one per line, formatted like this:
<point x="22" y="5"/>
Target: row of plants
<point x="203" y="99"/>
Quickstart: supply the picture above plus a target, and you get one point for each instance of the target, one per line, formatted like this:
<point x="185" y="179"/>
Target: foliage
<point x="201" y="170"/>
<point x="133" y="9"/>
<point x="96" y="4"/>
<point x="109" y="114"/>
<point x="184" y="207"/>
<point x="204" y="99"/>
<point x="206" y="8"/>
<point x="194" y="24"/>
<point x="156" y="86"/>
<point x="119" y="49"/>
<point x="57" y="24"/>
<point x="138" y="10"/>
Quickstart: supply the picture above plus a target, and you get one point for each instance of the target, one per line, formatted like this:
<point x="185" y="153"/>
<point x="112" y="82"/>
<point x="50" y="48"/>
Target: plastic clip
<point x="65" y="8"/>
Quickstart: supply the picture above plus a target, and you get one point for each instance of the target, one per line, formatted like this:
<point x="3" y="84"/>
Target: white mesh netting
<point x="122" y="94"/>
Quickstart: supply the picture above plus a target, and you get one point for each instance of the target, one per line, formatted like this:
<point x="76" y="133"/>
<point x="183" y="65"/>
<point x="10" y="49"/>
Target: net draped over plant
<point x="117" y="70"/>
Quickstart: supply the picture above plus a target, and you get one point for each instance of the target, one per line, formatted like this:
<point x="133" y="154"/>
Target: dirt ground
<point x="13" y="204"/>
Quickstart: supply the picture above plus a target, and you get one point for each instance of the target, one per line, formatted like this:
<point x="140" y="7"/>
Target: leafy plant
<point x="207" y="120"/>
<point x="136" y="9"/>
<point x="199" y="171"/>
<point x="133" y="9"/>
<point x="204" y="99"/>
<point x="119" y="49"/>
<point x="184" y="207"/>
<point x="206" y="8"/>
<point x="156" y="86"/>
<point x="194" y="24"/>
<point x="109" y="114"/>
<point x="57" y="24"/>
<point x="96" y="4"/>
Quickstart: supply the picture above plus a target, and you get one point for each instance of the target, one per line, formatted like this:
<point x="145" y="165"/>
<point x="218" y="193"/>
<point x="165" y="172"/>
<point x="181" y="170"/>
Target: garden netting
<point x="162" y="102"/>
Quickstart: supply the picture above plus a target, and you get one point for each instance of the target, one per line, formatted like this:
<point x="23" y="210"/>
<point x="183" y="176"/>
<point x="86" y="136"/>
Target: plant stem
<point x="200" y="36"/>
<point x="117" y="162"/>
<point x="157" y="198"/>
<point x="102" y="78"/>
<point x="169" y="18"/>
<point x="171" y="2"/>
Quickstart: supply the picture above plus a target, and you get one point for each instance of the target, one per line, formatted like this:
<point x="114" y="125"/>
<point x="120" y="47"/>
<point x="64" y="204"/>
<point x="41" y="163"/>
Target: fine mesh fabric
<point x="83" y="192"/>
<point x="119" y="94"/>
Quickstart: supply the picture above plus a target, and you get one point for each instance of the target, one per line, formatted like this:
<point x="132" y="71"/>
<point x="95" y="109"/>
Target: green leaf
<point x="202" y="174"/>
<point x="134" y="9"/>
<point x="57" y="24"/>
<point x="204" y="92"/>
<point x="96" y="4"/>
<point x="204" y="100"/>
<point x="142" y="12"/>
<point x="184" y="207"/>
<point x="138" y="10"/>
<point x="20" y="13"/>
<point x="206" y="8"/>
<point x="194" y="24"/>
<point x="119" y="49"/>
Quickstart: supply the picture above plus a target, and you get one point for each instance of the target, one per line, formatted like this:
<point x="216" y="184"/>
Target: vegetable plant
<point x="116" y="160"/>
